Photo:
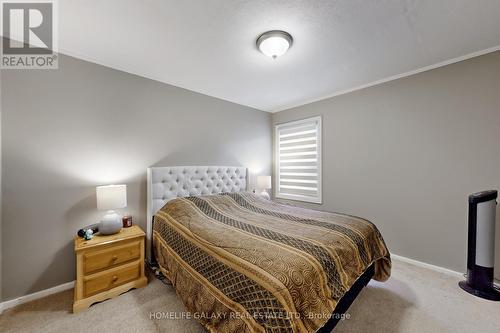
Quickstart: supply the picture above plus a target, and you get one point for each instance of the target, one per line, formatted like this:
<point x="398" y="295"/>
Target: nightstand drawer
<point x="96" y="260"/>
<point x="110" y="279"/>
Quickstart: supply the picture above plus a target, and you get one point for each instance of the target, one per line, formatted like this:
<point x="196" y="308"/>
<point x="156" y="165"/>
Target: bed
<point x="241" y="263"/>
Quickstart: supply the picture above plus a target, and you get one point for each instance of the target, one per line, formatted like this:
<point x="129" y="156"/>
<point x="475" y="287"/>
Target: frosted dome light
<point x="274" y="43"/>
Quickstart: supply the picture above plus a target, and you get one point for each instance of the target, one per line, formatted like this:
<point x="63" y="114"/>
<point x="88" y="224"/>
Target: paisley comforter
<point x="241" y="263"/>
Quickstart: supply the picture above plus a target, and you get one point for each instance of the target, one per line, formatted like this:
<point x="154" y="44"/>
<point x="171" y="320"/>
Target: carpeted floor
<point x="414" y="300"/>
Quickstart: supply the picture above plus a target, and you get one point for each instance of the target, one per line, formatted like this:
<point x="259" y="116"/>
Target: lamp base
<point x="265" y="195"/>
<point x="111" y="223"/>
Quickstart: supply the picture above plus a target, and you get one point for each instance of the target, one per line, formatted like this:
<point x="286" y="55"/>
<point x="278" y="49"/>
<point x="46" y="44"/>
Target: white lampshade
<point x="264" y="182"/>
<point x="111" y="197"/>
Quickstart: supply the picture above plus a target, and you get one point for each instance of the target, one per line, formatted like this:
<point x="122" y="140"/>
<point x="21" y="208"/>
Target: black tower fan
<point x="481" y="246"/>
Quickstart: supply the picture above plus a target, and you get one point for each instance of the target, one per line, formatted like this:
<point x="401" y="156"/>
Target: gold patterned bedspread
<point x="241" y="263"/>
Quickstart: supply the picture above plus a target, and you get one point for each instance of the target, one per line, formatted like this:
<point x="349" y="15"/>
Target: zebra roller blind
<point x="298" y="160"/>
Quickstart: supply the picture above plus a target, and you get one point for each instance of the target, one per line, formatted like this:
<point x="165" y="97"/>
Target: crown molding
<point x="388" y="79"/>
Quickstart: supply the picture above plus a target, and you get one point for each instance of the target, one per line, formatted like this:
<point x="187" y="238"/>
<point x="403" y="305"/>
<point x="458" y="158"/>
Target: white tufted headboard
<point x="166" y="183"/>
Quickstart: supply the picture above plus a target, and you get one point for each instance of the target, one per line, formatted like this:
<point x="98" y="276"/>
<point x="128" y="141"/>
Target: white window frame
<point x="319" y="198"/>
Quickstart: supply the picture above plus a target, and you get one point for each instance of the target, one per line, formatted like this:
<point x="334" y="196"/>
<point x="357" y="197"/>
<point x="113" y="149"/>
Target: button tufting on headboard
<point x="171" y="182"/>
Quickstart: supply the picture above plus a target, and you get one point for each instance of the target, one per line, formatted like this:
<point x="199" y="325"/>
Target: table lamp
<point x="108" y="198"/>
<point x="264" y="183"/>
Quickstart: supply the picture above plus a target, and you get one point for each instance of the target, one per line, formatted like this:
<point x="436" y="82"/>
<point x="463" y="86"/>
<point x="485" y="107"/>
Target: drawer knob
<point x="114" y="257"/>
<point x="115" y="278"/>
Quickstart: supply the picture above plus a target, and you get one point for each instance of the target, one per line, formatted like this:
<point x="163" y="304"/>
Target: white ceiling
<point x="208" y="46"/>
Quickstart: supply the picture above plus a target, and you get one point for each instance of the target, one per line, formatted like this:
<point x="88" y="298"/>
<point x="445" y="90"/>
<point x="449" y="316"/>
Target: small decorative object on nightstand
<point x="108" y="198"/>
<point x="127" y="221"/>
<point x="107" y="266"/>
<point x="88" y="234"/>
<point x="264" y="183"/>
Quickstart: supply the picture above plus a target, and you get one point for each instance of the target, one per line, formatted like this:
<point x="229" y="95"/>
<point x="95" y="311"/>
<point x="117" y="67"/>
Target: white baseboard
<point x="433" y="267"/>
<point x="39" y="294"/>
<point x="426" y="265"/>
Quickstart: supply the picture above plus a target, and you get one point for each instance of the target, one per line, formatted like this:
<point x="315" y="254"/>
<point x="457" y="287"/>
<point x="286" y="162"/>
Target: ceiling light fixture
<point x="274" y="43"/>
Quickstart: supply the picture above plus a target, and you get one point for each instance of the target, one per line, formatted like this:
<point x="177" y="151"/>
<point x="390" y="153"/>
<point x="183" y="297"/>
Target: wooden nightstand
<point x="107" y="266"/>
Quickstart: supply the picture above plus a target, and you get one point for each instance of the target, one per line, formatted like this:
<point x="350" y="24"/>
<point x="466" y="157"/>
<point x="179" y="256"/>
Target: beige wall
<point x="406" y="154"/>
<point x="65" y="131"/>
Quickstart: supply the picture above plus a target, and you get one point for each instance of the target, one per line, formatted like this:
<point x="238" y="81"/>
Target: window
<point x="298" y="160"/>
